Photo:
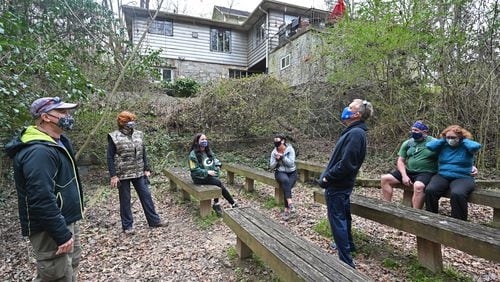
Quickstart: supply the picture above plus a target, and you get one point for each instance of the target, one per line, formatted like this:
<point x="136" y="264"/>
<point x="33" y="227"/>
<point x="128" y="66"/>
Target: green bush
<point x="182" y="87"/>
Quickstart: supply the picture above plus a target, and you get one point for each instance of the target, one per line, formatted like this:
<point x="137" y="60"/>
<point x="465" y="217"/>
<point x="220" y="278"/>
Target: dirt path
<point x="188" y="250"/>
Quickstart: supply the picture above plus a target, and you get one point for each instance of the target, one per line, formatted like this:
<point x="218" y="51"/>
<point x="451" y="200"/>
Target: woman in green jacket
<point x="205" y="169"/>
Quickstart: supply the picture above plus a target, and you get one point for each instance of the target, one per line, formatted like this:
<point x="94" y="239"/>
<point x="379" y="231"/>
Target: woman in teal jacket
<point x="205" y="169"/>
<point x="456" y="170"/>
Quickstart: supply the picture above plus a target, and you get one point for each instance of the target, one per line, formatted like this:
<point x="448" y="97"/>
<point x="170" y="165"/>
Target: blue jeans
<point x="287" y="181"/>
<point x="339" y="215"/>
<point x="144" y="194"/>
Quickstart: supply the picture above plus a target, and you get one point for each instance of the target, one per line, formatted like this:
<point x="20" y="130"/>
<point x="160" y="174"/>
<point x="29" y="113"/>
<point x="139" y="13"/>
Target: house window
<point x="162" y="27"/>
<point x="260" y="31"/>
<point x="165" y="74"/>
<point x="220" y="40"/>
<point x="285" y="62"/>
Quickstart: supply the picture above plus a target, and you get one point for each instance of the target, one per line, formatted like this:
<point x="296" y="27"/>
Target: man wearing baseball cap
<point x="415" y="166"/>
<point x="48" y="187"/>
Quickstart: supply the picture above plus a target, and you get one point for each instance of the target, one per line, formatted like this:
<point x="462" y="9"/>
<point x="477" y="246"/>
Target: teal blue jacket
<point x="455" y="162"/>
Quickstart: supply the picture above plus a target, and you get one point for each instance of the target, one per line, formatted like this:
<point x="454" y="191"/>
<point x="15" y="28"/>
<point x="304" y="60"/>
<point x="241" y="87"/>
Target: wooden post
<point x="279" y="197"/>
<point x="173" y="186"/>
<point x="249" y="184"/>
<point x="303" y="175"/>
<point x="429" y="254"/>
<point x="205" y="207"/>
<point x="185" y="195"/>
<point x="242" y="249"/>
<point x="496" y="218"/>
<point x="230" y="177"/>
<point x="407" y="196"/>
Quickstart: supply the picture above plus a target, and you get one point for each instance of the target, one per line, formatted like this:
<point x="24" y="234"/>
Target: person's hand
<point x="65" y="248"/>
<point x="114" y="181"/>
<point x="147" y="173"/>
<point x="278" y="156"/>
<point x="406" y="180"/>
<point x="474" y="171"/>
<point x="212" y="173"/>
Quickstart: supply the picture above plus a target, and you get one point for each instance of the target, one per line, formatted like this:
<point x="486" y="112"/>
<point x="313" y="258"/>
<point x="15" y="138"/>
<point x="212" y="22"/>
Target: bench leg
<point x="205" y="208"/>
<point x="173" y="186"/>
<point x="230" y="178"/>
<point x="185" y="195"/>
<point x="279" y="197"/>
<point x="407" y="196"/>
<point x="242" y="249"/>
<point x="303" y="175"/>
<point x="429" y="254"/>
<point x="249" y="184"/>
<point x="496" y="218"/>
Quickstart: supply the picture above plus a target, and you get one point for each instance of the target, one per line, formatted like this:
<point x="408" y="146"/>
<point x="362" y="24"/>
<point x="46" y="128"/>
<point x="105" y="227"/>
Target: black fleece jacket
<point x="347" y="158"/>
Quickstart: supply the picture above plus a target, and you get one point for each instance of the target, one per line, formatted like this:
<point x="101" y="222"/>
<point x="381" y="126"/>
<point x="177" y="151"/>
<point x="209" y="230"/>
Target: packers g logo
<point x="208" y="162"/>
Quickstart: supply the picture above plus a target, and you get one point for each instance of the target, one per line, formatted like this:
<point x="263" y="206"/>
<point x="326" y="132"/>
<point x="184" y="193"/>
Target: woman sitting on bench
<point x="205" y="169"/>
<point x="456" y="170"/>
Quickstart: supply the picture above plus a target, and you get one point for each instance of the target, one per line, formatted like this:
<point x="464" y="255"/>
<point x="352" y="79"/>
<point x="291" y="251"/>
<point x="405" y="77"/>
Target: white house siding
<point x="256" y="51"/>
<point x="276" y="19"/>
<point x="305" y="62"/>
<point x="183" y="46"/>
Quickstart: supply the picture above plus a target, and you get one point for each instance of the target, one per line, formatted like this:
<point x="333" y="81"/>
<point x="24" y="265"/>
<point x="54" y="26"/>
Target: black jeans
<point x="210" y="180"/>
<point x="460" y="189"/>
<point x="287" y="181"/>
<point x="144" y="194"/>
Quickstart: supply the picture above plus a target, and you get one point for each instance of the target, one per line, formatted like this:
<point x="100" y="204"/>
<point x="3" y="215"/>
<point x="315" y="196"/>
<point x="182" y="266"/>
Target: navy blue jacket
<point x="346" y="159"/>
<point x="48" y="186"/>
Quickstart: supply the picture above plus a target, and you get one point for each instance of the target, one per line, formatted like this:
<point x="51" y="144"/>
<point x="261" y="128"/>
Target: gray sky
<point x="203" y="8"/>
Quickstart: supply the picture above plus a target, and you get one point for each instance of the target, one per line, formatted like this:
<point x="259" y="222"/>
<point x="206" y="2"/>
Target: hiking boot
<point x="217" y="209"/>
<point x="160" y="224"/>
<point x="235" y="205"/>
<point x="292" y="208"/>
<point x="285" y="215"/>
<point x="129" y="231"/>
<point x="333" y="246"/>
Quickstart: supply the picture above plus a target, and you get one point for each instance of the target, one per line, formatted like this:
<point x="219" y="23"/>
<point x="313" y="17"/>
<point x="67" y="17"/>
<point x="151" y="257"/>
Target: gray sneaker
<point x="292" y="208"/>
<point x="285" y="216"/>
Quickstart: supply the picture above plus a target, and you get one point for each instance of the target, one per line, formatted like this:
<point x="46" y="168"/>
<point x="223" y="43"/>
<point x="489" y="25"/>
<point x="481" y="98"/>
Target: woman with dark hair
<point x="456" y="171"/>
<point x="205" y="169"/>
<point x="283" y="163"/>
<point x="127" y="163"/>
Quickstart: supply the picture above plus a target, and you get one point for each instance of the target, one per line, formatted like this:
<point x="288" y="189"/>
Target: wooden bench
<point x="431" y="229"/>
<point x="292" y="258"/>
<point x="480" y="196"/>
<point x="203" y="193"/>
<point x="251" y="175"/>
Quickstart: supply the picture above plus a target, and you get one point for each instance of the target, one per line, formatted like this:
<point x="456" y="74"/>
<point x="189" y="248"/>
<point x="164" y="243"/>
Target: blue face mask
<point x="346" y="114"/>
<point x="203" y="143"/>
<point x="417" y="135"/>
<point x="130" y="124"/>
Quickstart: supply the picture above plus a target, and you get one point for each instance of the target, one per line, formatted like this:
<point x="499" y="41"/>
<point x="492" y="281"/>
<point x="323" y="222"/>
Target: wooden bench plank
<point x="291" y="257"/>
<point x="203" y="193"/>
<point x="471" y="238"/>
<point x="480" y="195"/>
<point x="252" y="175"/>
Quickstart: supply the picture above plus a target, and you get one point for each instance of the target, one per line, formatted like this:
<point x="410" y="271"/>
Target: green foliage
<point x="391" y="263"/>
<point x="418" y="273"/>
<point x="73" y="49"/>
<point x="232" y="254"/>
<point x="207" y="221"/>
<point x="270" y="203"/>
<point x="323" y="228"/>
<point x="182" y="87"/>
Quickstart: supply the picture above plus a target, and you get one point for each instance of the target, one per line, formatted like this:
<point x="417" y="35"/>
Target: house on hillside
<point x="206" y="49"/>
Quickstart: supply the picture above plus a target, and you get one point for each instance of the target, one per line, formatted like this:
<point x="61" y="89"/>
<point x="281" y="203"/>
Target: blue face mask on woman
<point x="346" y="114"/>
<point x="203" y="143"/>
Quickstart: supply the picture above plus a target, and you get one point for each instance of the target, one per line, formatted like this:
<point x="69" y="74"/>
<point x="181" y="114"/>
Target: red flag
<point x="337" y="12"/>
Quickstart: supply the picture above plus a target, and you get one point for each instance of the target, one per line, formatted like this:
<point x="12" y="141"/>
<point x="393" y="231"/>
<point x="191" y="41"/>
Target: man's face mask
<point x="65" y="123"/>
<point x="346" y="114"/>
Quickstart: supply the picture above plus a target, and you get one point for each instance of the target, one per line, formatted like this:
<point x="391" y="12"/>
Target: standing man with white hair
<point x="48" y="187"/>
<point x="340" y="174"/>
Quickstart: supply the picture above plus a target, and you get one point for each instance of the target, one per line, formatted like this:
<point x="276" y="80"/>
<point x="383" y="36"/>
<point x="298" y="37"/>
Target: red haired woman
<point x="456" y="172"/>
<point x="127" y="162"/>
